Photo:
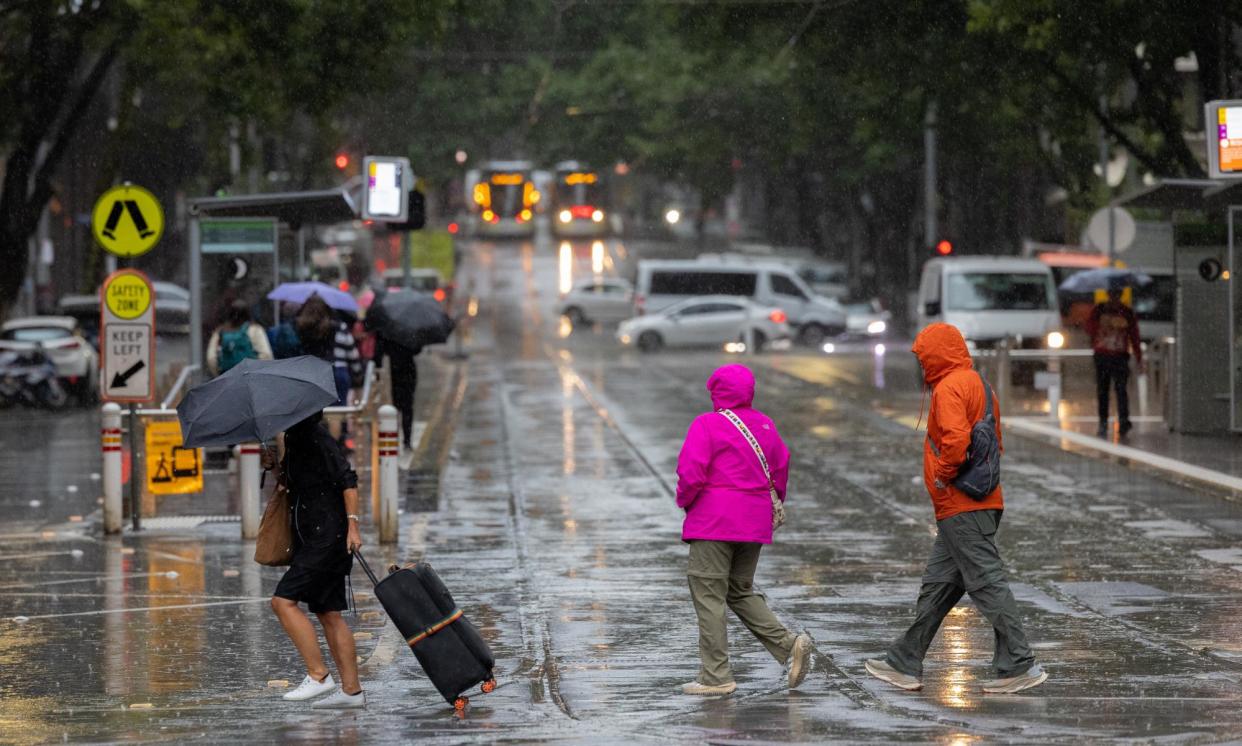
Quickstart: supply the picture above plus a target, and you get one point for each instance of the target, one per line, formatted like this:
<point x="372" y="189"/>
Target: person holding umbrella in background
<point x="1114" y="332"/>
<point x="329" y="339"/>
<point x="404" y="322"/>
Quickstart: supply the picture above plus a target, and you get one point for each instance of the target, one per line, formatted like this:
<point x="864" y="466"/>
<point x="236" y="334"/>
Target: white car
<point x="662" y="282"/>
<point x="76" y="363"/>
<point x="608" y="300"/>
<point x="867" y="319"/>
<point x="706" y="321"/>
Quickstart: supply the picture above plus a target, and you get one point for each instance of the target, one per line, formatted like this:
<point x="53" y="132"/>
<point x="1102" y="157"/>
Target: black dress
<point x="317" y="474"/>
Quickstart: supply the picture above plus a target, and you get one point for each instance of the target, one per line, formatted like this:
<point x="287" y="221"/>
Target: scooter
<point x="29" y="378"/>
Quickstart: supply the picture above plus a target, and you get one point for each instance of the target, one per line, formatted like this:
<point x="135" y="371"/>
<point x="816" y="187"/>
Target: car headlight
<point x="672" y="216"/>
<point x="877" y="327"/>
<point x="625" y="338"/>
<point x="1056" y="340"/>
<point x="597" y="216"/>
<point x="566" y="216"/>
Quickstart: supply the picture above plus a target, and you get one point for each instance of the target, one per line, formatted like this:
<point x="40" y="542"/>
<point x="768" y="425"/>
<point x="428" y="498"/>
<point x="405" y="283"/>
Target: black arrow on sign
<point x="121" y="380"/>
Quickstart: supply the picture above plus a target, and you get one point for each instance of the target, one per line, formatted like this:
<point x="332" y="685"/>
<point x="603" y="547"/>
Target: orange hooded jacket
<point x="957" y="403"/>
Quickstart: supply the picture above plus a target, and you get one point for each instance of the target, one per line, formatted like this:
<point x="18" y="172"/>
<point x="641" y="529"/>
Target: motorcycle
<point x="29" y="378"/>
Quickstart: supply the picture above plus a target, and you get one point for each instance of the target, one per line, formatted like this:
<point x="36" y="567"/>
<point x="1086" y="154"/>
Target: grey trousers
<point x="722" y="573"/>
<point x="964" y="559"/>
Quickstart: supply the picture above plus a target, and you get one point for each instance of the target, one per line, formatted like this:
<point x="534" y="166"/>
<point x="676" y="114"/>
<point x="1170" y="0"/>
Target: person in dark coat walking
<point x="404" y="373"/>
<point x="323" y="490"/>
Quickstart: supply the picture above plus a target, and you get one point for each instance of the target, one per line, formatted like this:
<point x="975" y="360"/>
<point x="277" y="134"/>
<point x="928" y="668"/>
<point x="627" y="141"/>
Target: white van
<point x="661" y="283"/>
<point x="989" y="298"/>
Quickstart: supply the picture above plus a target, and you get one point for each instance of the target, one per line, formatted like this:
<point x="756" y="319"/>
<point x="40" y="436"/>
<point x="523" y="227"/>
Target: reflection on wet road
<point x="558" y="535"/>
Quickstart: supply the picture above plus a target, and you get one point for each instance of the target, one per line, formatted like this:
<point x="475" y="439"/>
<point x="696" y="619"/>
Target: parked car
<point x="61" y="339"/>
<point x="867" y="319"/>
<point x="662" y="283"/>
<point x="707" y="321"/>
<point x="605" y="301"/>
<point x="989" y="298"/>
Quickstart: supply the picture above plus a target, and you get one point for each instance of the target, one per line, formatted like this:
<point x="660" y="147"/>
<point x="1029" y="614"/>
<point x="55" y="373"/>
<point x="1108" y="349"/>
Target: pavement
<point x="545" y="504"/>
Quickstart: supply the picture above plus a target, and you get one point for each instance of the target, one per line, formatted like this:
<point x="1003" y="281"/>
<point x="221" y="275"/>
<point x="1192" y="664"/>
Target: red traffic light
<point x="342" y="161"/>
<point x="944" y="248"/>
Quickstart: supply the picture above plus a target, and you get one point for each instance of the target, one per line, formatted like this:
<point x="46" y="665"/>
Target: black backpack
<point x="979" y="474"/>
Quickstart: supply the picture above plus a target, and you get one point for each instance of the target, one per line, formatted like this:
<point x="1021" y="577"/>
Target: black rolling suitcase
<point x="448" y="647"/>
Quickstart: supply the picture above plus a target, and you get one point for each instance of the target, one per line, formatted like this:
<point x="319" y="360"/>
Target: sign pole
<point x="135" y="508"/>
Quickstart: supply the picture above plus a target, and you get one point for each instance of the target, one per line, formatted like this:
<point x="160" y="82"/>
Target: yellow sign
<point x="171" y="469"/>
<point x="128" y="296"/>
<point x="127" y="221"/>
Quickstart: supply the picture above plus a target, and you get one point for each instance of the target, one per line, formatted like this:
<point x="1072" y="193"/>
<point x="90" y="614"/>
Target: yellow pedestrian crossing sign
<point x="127" y="221"/>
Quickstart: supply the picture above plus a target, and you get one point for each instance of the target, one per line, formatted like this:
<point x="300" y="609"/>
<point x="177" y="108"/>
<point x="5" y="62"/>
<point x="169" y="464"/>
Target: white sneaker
<point x="309" y="689"/>
<point x="339" y="700"/>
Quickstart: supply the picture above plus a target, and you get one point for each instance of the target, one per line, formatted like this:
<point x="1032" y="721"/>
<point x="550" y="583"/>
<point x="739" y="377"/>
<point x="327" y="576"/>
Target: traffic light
<point x="342" y="161"/>
<point x="944" y="247"/>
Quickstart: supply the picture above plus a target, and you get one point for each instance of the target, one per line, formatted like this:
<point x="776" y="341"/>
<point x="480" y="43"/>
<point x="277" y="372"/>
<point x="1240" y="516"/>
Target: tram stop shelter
<point x="236" y="244"/>
<point x="1205" y="396"/>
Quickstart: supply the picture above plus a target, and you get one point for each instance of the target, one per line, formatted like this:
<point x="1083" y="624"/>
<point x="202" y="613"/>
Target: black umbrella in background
<point x="255" y="400"/>
<point x="409" y="319"/>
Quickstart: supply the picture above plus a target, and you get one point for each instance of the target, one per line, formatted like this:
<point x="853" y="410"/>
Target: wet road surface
<point x="556" y="529"/>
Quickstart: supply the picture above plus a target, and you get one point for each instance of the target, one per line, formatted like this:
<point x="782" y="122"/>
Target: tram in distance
<point x="579" y="196"/>
<point x="504" y="197"/>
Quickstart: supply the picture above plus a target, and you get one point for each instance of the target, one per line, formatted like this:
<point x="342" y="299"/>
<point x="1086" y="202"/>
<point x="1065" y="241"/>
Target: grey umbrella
<point x="255" y="400"/>
<point x="409" y="319"/>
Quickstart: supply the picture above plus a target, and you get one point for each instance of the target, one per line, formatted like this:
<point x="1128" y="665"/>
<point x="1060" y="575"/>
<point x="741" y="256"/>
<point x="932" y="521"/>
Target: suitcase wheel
<point x="460" y="703"/>
<point x="489" y="686"/>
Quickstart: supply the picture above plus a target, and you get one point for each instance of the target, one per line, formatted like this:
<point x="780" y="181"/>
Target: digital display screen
<point x="385" y="190"/>
<point x="1229" y="139"/>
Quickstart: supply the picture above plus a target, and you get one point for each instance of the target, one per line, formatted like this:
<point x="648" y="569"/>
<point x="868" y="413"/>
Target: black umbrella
<point x="254" y="400"/>
<point x="409" y="319"/>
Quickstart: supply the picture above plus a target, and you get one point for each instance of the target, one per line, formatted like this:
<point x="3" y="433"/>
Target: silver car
<point x="707" y="321"/>
<point x="62" y="341"/>
<point x="607" y="300"/>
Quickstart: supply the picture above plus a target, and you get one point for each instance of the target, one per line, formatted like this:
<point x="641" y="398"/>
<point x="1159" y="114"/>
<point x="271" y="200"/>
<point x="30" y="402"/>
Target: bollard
<point x="1054" y="390"/>
<point x="387" y="445"/>
<point x="110" y="445"/>
<point x="1142" y="394"/>
<point x="248" y="473"/>
<point x="1001" y="385"/>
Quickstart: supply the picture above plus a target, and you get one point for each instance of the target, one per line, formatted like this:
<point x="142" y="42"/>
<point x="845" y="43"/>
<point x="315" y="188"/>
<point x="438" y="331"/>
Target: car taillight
<point x="778" y="316"/>
<point x="72" y="344"/>
<point x="439" y="295"/>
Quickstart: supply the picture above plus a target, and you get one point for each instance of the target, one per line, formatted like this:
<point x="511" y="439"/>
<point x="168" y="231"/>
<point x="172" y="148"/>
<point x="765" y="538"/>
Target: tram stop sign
<point x="127" y="337"/>
<point x="127" y="221"/>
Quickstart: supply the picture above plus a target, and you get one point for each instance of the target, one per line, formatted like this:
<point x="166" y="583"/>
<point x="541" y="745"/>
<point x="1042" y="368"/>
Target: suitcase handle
<point x="366" y="568"/>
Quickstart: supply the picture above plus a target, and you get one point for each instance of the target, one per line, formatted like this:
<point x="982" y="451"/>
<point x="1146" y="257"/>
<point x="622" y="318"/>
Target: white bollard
<point x="110" y="445"/>
<point x="1142" y="394"/>
<point x="1054" y="402"/>
<point x="387" y="444"/>
<point x="248" y="472"/>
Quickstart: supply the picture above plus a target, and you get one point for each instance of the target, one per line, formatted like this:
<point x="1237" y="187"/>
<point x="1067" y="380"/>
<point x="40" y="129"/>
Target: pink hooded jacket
<point x="720" y="483"/>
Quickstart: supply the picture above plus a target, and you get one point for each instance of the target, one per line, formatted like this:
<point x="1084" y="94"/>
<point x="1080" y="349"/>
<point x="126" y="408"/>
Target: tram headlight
<point x="566" y="216"/>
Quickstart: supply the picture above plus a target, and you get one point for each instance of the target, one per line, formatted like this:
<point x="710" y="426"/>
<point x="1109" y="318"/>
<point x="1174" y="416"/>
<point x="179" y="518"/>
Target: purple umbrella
<point x="300" y="292"/>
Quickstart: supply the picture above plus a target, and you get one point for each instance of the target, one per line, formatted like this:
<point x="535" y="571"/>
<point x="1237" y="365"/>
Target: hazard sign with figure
<point x="172" y="469"/>
<point x="127" y="337"/>
<point x="127" y="221"/>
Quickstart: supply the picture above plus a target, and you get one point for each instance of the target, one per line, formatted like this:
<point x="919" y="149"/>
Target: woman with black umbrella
<point x="323" y="489"/>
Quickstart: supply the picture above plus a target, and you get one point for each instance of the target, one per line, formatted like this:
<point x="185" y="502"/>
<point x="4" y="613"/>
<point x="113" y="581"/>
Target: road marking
<point x="1139" y="456"/>
<point x="148" y="608"/>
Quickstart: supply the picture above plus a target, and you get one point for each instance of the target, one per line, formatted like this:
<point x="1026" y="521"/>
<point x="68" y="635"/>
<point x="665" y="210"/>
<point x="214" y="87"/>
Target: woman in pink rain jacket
<point x="722" y="486"/>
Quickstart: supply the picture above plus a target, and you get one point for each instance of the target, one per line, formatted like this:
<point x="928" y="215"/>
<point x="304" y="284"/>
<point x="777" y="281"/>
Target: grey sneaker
<point x="339" y="700"/>
<point x="1034" y="676"/>
<point x="695" y="687"/>
<point x="879" y="668"/>
<point x="799" y="660"/>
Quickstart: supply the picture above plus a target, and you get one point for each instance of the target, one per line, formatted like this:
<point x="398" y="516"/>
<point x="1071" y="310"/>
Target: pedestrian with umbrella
<point x="1114" y="332"/>
<point x="252" y="402"/>
<point x="328" y="338"/>
<point x="404" y="322"/>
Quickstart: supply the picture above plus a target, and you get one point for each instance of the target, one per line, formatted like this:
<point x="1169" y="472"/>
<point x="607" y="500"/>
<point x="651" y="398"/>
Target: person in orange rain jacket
<point x="964" y="558"/>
